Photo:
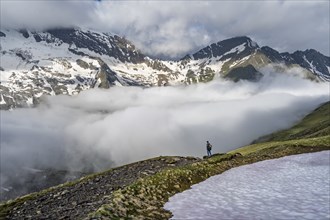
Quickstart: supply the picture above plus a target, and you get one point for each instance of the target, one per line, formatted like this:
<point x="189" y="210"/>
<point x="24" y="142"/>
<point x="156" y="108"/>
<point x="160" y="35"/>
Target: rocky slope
<point x="66" y="61"/>
<point x="137" y="191"/>
<point x="244" y="54"/>
<point x="74" y="200"/>
<point x="35" y="180"/>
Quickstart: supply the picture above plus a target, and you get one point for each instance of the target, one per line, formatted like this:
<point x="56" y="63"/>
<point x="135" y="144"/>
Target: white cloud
<point x="174" y="28"/>
<point x="45" y="14"/>
<point x="102" y="128"/>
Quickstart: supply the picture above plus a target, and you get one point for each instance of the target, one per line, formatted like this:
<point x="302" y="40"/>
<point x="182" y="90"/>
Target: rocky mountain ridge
<point x="67" y="60"/>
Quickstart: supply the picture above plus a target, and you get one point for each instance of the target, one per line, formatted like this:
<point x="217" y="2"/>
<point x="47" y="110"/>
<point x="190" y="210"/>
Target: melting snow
<point x="2" y="100"/>
<point x="293" y="187"/>
<point x="239" y="61"/>
<point x="252" y="43"/>
<point x="238" y="49"/>
<point x="312" y="67"/>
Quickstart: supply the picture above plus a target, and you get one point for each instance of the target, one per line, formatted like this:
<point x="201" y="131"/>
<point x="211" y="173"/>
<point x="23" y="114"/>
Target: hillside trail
<point x="78" y="200"/>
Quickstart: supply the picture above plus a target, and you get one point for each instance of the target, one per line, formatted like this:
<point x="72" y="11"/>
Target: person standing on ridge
<point x="208" y="148"/>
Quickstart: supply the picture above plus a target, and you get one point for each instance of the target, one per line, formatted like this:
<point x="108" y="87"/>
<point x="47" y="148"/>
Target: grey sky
<point x="174" y="28"/>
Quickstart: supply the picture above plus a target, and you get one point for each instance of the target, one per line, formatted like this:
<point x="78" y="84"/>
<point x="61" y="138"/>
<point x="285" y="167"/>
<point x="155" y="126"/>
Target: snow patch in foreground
<point x="293" y="187"/>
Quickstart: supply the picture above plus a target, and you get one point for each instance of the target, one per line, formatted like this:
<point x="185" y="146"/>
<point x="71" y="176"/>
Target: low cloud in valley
<point x="99" y="129"/>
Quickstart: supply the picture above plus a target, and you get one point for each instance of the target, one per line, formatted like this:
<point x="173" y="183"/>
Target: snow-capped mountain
<point x="242" y="58"/>
<point x="67" y="61"/>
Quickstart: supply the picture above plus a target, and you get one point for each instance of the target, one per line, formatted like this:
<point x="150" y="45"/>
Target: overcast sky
<point x="175" y="28"/>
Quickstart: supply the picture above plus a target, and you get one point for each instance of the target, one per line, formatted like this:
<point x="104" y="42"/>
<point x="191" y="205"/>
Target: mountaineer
<point x="208" y="148"/>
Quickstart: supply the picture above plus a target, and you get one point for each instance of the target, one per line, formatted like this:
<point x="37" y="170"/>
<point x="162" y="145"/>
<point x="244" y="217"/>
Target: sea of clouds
<point x="99" y="129"/>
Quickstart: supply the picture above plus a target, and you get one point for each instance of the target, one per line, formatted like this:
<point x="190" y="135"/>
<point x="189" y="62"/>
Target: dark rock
<point x="20" y="56"/>
<point x="37" y="37"/>
<point x="272" y="54"/>
<point x="82" y="64"/>
<point x="104" y="44"/>
<point x="236" y="155"/>
<point x="222" y="47"/>
<point x="2" y="34"/>
<point x="246" y="73"/>
<point x="312" y="57"/>
<point x="213" y="155"/>
<point x="77" y="52"/>
<point x="106" y="75"/>
<point x="80" y="79"/>
<point x="25" y="33"/>
<point x="187" y="57"/>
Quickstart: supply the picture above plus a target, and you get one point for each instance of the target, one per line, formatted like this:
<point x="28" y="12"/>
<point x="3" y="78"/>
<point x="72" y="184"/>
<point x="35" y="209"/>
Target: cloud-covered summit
<point x="174" y="28"/>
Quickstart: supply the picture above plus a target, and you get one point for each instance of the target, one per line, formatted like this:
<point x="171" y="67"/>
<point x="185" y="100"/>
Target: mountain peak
<point x="239" y="39"/>
<point x="70" y="60"/>
<point x="241" y="45"/>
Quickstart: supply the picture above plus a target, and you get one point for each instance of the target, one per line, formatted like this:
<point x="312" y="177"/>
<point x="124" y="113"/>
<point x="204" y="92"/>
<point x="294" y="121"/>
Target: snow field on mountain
<point x="25" y="53"/>
<point x="293" y="187"/>
<point x="238" y="49"/>
<point x="38" y="50"/>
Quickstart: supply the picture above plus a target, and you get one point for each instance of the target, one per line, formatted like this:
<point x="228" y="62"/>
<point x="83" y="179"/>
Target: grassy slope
<point x="312" y="130"/>
<point x="316" y="124"/>
<point x="145" y="198"/>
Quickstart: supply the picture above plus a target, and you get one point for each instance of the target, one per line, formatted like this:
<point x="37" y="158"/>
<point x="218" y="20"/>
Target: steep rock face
<point x="313" y="61"/>
<point x="310" y="60"/>
<point x="275" y="56"/>
<point x="247" y="72"/>
<point x="105" y="76"/>
<point x="217" y="59"/>
<point x="241" y="53"/>
<point x="99" y="43"/>
<point x="67" y="61"/>
<point x="237" y="47"/>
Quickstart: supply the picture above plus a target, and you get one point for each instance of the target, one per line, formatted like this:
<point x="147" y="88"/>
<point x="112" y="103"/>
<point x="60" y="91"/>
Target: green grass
<point x="315" y="124"/>
<point x="310" y="142"/>
<point x="145" y="198"/>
